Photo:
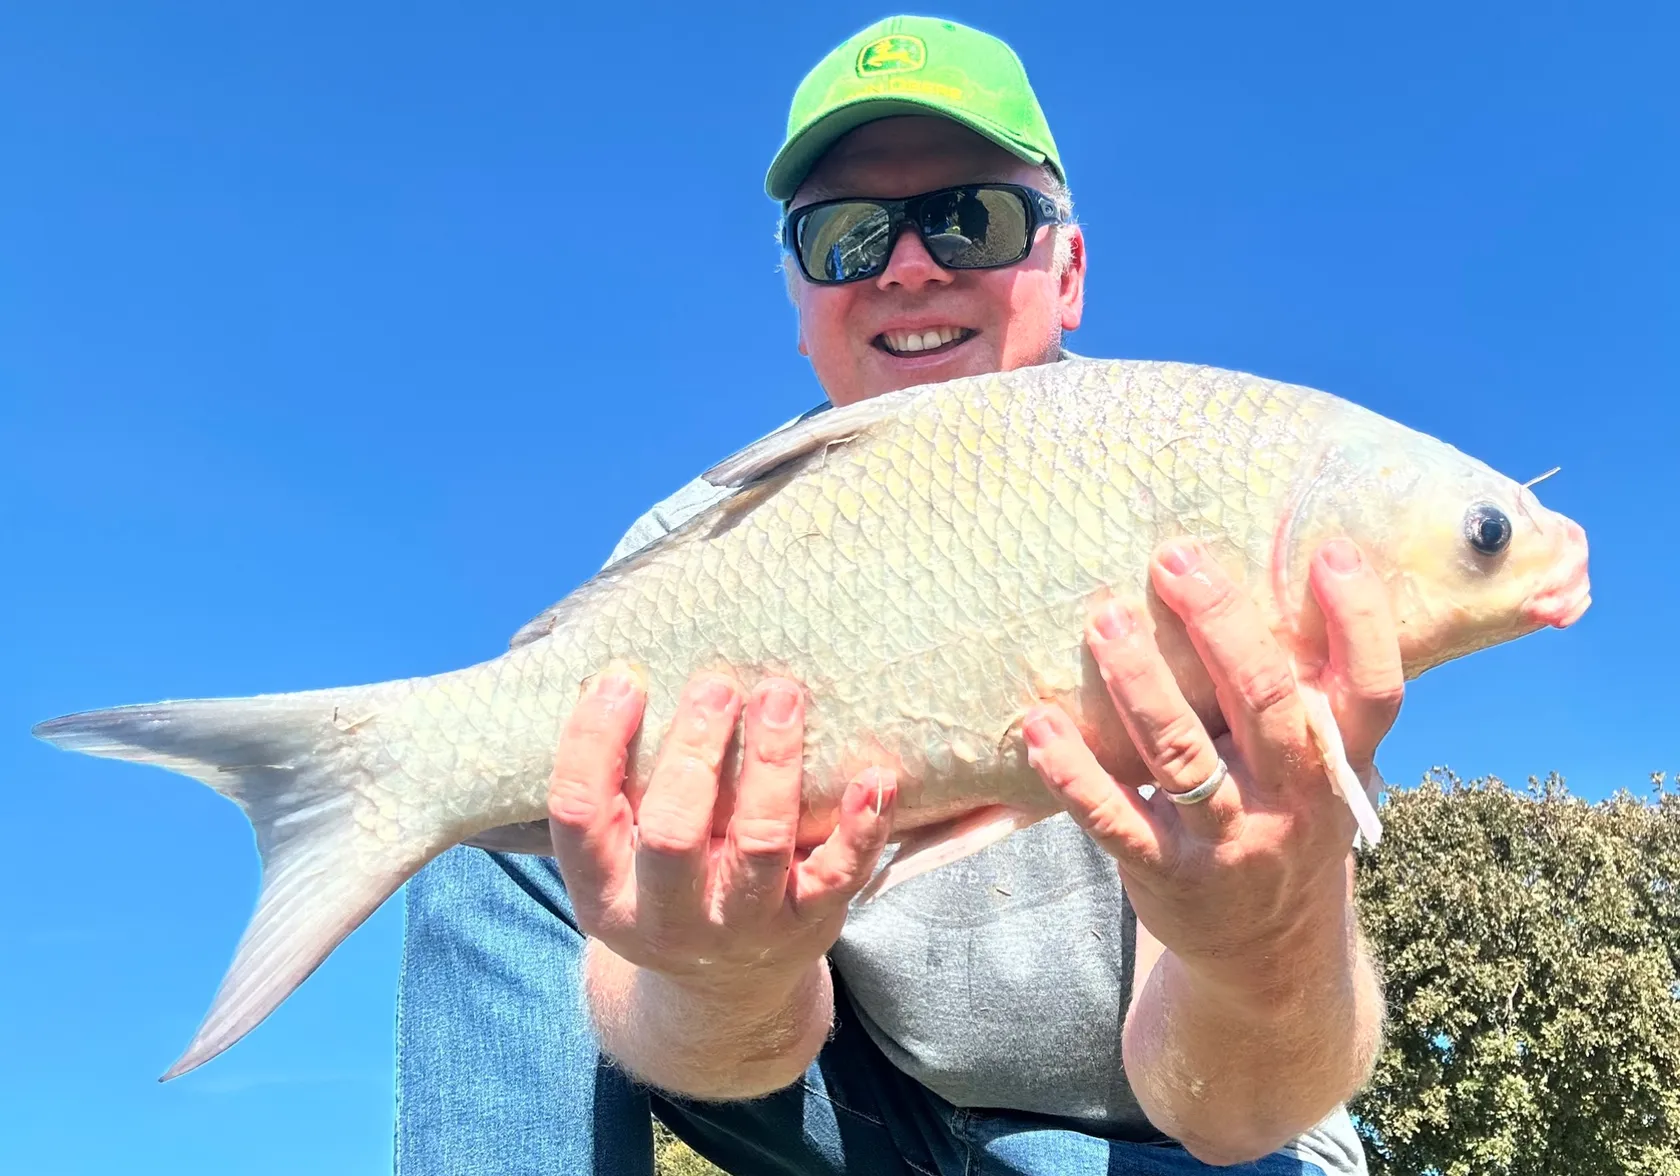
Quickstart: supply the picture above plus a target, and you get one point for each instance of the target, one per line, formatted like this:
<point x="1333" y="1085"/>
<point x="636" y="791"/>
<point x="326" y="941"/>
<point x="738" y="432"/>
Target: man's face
<point x="1002" y="318"/>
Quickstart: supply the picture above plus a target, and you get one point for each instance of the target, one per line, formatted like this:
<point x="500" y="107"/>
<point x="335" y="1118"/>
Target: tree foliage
<point x="1530" y="944"/>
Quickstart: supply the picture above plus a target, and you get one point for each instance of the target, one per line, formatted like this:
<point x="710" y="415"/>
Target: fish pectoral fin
<point x="526" y="837"/>
<point x="1321" y="721"/>
<point x="834" y="426"/>
<point x="939" y="845"/>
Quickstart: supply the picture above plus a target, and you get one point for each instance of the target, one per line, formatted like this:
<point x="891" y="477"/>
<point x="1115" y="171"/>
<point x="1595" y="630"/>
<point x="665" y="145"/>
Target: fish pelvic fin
<point x="1327" y="736"/>
<point x="939" y="845"/>
<point x="308" y="770"/>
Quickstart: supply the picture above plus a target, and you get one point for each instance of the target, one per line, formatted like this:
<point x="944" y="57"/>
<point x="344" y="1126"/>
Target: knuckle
<point x="762" y="838"/>
<point x="838" y="879"/>
<point x="590" y="714"/>
<point x="1361" y="612"/>
<point x="1107" y="822"/>
<point x="581" y="776"/>
<point x="596" y="718"/>
<point x="1358" y="608"/>
<point x="1128" y="673"/>
<point x="819" y="880"/>
<point x="1179" y="745"/>
<point x="1055" y="767"/>
<point x="840" y="869"/>
<point x="778" y="753"/>
<point x="584" y="735"/>
<point x="570" y="808"/>
<point x="845" y="887"/>
<point x="1382" y="691"/>
<point x="1214" y="599"/>
<point x="687" y="771"/>
<point x="1102" y="819"/>
<point x="669" y="834"/>
<point x="1265" y="685"/>
<point x="569" y="774"/>
<point x="698" y="737"/>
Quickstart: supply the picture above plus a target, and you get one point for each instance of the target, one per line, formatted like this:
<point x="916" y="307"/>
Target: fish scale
<point x="922" y="563"/>
<point x="1066" y="540"/>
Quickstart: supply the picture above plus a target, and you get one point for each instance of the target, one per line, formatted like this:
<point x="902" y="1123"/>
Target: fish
<point x="923" y="564"/>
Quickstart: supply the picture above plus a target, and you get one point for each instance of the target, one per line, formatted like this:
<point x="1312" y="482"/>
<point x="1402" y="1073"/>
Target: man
<point x="1008" y="1012"/>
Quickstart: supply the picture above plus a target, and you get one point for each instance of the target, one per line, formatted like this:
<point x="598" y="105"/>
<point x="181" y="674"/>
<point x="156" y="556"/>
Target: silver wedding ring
<point x="1203" y="790"/>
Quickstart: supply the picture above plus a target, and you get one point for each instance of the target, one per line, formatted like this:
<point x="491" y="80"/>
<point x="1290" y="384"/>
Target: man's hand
<point x="714" y="944"/>
<point x="1250" y="890"/>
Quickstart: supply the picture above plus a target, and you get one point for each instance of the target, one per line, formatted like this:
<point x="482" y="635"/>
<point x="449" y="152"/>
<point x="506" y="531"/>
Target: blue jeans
<point x="498" y="1071"/>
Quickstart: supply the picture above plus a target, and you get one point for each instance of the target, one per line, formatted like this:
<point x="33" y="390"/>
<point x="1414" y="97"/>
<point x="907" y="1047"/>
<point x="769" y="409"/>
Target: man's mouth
<point x="923" y="342"/>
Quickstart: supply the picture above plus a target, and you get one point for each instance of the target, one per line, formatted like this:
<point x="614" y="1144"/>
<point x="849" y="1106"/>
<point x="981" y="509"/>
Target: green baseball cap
<point x="912" y="65"/>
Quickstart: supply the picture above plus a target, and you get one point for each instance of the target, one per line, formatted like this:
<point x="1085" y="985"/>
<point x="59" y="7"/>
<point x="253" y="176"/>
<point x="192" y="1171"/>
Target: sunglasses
<point x="974" y="226"/>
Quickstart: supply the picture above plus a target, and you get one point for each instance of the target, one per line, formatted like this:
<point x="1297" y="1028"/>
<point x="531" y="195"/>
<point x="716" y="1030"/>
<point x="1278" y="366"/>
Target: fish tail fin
<point x="307" y="769"/>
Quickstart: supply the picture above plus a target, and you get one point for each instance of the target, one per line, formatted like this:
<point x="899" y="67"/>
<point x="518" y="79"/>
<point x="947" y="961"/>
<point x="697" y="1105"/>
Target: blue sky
<point x="333" y="346"/>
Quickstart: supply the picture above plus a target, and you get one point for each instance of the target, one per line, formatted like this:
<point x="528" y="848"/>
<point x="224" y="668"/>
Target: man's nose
<point x="910" y="265"/>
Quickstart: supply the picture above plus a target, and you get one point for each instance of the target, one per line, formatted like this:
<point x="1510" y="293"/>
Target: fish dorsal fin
<point x="832" y="427"/>
<point x="816" y="431"/>
<point x="537" y="627"/>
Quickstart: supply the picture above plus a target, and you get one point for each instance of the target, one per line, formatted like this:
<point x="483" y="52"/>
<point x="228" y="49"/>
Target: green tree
<point x="1530" y="945"/>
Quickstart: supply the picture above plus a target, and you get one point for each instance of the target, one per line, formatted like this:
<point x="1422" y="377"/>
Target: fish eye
<point x="1487" y="528"/>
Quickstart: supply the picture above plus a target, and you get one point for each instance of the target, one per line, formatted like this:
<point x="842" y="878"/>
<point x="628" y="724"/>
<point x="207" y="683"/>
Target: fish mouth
<point x="1561" y="601"/>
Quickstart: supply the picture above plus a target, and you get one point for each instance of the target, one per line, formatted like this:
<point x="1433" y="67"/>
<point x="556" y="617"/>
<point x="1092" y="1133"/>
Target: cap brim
<point x="800" y="153"/>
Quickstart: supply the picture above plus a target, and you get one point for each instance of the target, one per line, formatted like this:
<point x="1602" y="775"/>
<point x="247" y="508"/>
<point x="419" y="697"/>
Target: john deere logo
<point x="899" y="53"/>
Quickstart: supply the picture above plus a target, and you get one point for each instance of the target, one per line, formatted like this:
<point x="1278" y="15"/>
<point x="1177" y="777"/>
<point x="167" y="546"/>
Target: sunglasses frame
<point x="1040" y="209"/>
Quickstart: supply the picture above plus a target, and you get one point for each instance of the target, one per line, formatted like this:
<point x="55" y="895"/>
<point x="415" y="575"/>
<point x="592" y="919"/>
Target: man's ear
<point x="1072" y="294"/>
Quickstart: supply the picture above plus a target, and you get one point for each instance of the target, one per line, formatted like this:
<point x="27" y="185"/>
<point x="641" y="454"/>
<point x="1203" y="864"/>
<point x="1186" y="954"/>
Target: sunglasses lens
<point x="975" y="228"/>
<point x="963" y="228"/>
<point x="838" y="242"/>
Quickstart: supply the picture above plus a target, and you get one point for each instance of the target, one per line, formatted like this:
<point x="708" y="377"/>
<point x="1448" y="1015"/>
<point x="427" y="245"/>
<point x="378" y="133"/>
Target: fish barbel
<point x="923" y="563"/>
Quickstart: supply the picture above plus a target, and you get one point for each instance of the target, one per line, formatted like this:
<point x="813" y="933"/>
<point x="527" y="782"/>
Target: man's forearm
<point x="728" y="1041"/>
<point x="1235" y="1066"/>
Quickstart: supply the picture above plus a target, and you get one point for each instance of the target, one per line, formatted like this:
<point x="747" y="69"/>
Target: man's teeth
<point x="900" y="342"/>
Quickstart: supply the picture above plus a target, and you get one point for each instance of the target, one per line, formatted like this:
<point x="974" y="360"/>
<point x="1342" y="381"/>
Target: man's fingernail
<point x="1113" y="621"/>
<point x="883" y="786"/>
<point x="1342" y="555"/>
<point x="614" y="685"/>
<point x="1039" y="731"/>
<point x="777" y="701"/>
<point x="715" y="694"/>
<point x="1177" y="558"/>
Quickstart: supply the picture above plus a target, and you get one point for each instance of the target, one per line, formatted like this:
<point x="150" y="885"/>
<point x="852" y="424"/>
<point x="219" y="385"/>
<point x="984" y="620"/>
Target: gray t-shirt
<point x="1002" y="980"/>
